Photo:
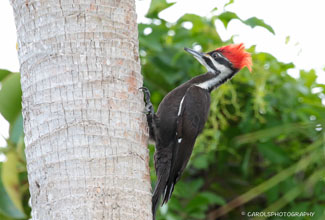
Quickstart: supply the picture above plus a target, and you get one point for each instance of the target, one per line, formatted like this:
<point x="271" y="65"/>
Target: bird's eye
<point x="215" y="55"/>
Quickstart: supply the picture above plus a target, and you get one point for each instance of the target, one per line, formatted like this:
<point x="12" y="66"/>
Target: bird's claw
<point x="148" y="109"/>
<point x="149" y="106"/>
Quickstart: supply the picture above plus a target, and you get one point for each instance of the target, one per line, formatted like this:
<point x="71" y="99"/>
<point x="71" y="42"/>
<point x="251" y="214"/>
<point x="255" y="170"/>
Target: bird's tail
<point x="159" y="190"/>
<point x="162" y="165"/>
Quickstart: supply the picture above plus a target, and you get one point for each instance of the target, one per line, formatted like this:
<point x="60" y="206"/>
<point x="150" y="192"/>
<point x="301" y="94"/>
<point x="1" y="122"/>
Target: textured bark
<point x="85" y="133"/>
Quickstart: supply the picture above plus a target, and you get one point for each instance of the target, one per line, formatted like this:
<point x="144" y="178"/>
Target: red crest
<point x="237" y="55"/>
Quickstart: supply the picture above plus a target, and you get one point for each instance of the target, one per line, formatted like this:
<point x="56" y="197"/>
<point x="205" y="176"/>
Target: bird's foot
<point x="149" y="111"/>
<point x="148" y="107"/>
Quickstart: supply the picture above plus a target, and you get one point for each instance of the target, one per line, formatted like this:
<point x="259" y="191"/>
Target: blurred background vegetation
<point x="262" y="149"/>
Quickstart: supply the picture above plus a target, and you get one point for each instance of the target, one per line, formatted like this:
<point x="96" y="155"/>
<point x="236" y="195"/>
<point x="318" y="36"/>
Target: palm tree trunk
<point x="85" y="133"/>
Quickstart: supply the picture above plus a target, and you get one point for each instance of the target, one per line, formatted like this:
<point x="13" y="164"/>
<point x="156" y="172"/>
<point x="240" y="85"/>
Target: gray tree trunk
<point x="85" y="133"/>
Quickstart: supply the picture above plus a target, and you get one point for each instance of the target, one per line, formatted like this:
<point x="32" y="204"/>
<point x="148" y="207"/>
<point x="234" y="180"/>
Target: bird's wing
<point x="192" y="115"/>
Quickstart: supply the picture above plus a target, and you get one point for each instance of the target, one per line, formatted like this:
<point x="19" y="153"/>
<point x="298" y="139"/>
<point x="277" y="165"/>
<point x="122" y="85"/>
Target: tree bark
<point x="85" y="133"/>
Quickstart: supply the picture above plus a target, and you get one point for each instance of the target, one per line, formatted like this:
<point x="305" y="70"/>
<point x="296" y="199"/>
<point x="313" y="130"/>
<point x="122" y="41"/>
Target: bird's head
<point x="230" y="58"/>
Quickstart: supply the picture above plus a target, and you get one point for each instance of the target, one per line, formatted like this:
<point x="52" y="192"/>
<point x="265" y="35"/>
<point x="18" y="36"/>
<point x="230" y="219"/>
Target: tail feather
<point x="173" y="175"/>
<point x="160" y="188"/>
<point x="168" y="192"/>
<point x="163" y="161"/>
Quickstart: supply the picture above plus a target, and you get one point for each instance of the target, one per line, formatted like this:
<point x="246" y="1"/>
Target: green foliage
<point x="7" y="207"/>
<point x="12" y="205"/>
<point x="254" y="22"/>
<point x="14" y="194"/>
<point x="156" y="7"/>
<point x="10" y="95"/>
<point x="227" y="16"/>
<point x="262" y="147"/>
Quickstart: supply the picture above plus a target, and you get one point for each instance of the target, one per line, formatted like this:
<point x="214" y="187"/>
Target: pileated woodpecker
<point x="183" y="112"/>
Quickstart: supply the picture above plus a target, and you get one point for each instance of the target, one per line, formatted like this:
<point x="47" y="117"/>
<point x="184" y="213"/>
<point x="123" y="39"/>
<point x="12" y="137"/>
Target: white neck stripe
<point x="224" y="73"/>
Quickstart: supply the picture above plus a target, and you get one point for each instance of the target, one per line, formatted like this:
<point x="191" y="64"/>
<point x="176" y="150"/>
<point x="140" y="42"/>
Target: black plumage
<point x="174" y="146"/>
<point x="174" y="128"/>
<point x="180" y="118"/>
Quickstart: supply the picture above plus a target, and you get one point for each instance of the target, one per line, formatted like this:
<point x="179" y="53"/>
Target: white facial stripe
<point x="221" y="55"/>
<point x="201" y="60"/>
<point x="224" y="73"/>
<point x="220" y="67"/>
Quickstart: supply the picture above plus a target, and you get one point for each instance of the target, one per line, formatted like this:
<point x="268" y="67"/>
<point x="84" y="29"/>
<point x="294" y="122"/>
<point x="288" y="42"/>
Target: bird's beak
<point x="198" y="55"/>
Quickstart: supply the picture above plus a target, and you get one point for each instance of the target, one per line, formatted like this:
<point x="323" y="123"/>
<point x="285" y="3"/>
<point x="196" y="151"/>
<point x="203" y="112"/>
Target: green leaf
<point x="201" y="202"/>
<point x="173" y="204"/>
<point x="274" y="153"/>
<point x="226" y="17"/>
<point x="7" y="206"/>
<point x="319" y="211"/>
<point x="246" y="161"/>
<point x="4" y="74"/>
<point x="201" y="161"/>
<point x="292" y="193"/>
<point x="188" y="189"/>
<point x="254" y="22"/>
<point x="10" y="179"/>
<point x="156" y="7"/>
<point x="271" y="132"/>
<point x="229" y="3"/>
<point x="300" y="207"/>
<point x="213" y="198"/>
<point x="198" y="202"/>
<point x="10" y="97"/>
<point x="287" y="40"/>
<point x="171" y="216"/>
<point x="268" y="184"/>
<point x="309" y="77"/>
<point x="20" y="149"/>
<point x="4" y="217"/>
<point x="16" y="129"/>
